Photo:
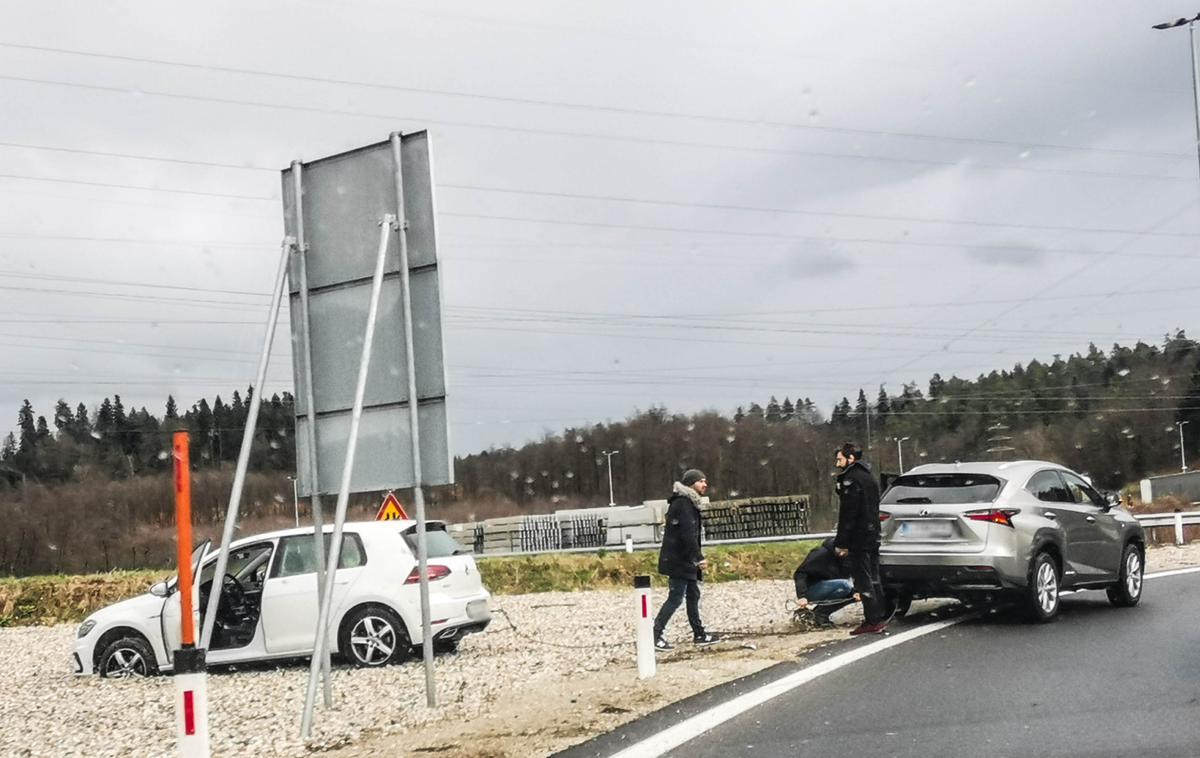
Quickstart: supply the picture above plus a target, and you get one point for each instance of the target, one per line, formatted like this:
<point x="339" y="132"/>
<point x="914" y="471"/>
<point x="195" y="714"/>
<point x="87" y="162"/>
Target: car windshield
<point x="942" y="489"/>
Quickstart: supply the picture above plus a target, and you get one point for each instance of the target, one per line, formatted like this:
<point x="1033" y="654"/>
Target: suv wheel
<point x="127" y="658"/>
<point x="1041" y="596"/>
<point x="373" y="636"/>
<point x="1128" y="590"/>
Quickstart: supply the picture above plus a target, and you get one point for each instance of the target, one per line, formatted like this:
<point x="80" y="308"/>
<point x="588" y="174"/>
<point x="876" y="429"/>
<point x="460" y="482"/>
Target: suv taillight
<point x="884" y="515"/>
<point x="435" y="572"/>
<point x="1001" y="516"/>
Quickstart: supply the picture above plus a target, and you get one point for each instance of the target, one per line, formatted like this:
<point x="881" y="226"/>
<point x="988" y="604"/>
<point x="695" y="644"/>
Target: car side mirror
<point x="160" y="589"/>
<point x="1112" y="500"/>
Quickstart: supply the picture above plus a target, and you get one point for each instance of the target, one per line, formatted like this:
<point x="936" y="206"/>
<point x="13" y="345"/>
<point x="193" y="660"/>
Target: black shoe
<point x="662" y="644"/>
<point x="707" y="638"/>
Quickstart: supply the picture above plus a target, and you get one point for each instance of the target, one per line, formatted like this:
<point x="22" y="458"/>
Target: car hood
<point x="144" y="606"/>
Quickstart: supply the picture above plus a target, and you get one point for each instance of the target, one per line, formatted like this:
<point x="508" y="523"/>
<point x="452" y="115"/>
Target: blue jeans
<point x="828" y="592"/>
<point x="679" y="589"/>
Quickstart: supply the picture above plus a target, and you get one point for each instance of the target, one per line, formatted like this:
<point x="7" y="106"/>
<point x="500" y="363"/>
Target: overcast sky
<point x="692" y="204"/>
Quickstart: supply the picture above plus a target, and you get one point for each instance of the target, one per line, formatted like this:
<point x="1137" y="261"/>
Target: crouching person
<point x="681" y="560"/>
<point x="823" y="583"/>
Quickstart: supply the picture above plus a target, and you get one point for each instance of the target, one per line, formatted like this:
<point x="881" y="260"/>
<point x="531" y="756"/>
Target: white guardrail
<point x="1177" y="520"/>
<point x="1147" y="520"/>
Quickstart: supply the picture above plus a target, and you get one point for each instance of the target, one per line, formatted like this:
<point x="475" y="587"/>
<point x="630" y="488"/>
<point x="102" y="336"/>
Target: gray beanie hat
<point x="691" y="476"/>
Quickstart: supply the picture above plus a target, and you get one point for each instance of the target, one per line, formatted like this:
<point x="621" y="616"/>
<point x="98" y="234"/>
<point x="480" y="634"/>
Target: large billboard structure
<point x="364" y="234"/>
<point x="335" y="220"/>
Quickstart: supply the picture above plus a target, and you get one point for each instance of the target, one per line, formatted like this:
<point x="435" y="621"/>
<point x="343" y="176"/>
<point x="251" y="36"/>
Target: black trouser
<point x="679" y="589"/>
<point x="864" y="570"/>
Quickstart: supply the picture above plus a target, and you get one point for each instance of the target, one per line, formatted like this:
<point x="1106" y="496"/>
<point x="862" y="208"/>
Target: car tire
<point x="127" y="658"/>
<point x="1128" y="590"/>
<point x="372" y="636"/>
<point x="1042" y="593"/>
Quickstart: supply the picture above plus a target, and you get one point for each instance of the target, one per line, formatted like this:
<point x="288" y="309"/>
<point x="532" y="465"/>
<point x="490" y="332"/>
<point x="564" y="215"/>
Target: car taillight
<point x="1001" y="516"/>
<point x="435" y="572"/>
<point x="884" y="515"/>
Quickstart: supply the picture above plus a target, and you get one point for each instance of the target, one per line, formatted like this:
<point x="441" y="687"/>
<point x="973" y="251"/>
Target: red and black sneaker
<point x="865" y="628"/>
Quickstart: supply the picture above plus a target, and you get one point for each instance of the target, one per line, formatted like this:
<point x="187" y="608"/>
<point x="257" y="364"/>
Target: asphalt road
<point x="1098" y="681"/>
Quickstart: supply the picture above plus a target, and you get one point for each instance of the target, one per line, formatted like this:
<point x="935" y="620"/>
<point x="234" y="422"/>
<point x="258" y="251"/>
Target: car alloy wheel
<point x="1047" y="588"/>
<point x="1133" y="573"/>
<point x="373" y="640"/>
<point x="125" y="663"/>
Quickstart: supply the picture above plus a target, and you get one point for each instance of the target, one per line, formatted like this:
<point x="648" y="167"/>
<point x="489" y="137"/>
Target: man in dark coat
<point x="822" y="581"/>
<point x="681" y="559"/>
<point x="858" y="535"/>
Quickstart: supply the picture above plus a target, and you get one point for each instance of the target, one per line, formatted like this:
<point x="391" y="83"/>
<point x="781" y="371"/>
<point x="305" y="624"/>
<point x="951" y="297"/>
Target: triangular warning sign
<point x="391" y="510"/>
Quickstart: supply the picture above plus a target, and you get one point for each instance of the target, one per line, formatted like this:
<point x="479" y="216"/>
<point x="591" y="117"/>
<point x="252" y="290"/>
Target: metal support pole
<point x="243" y="463"/>
<point x="314" y="480"/>
<point x="414" y="429"/>
<point x="321" y="644"/>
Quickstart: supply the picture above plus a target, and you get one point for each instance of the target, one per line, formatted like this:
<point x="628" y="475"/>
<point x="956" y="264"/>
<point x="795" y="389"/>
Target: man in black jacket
<point x="858" y="535"/>
<point x="823" y="582"/>
<point x="681" y="558"/>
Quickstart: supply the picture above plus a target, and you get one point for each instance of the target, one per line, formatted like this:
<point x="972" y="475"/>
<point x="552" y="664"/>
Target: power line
<point x="143" y="188"/>
<point x="594" y="108"/>
<point x="132" y="156"/>
<point x="638" y="200"/>
<point x="798" y="238"/>
<point x="492" y="127"/>
<point x="800" y="211"/>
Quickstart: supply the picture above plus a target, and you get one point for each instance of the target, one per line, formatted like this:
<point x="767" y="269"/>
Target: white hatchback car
<point x="268" y="606"/>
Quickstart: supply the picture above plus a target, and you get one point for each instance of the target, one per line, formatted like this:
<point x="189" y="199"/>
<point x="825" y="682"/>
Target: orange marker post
<point x="191" y="678"/>
<point x="183" y="523"/>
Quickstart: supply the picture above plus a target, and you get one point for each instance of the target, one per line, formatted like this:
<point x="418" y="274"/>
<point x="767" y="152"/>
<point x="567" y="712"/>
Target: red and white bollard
<point x="644" y="623"/>
<point x="191" y="703"/>
<point x="191" y="675"/>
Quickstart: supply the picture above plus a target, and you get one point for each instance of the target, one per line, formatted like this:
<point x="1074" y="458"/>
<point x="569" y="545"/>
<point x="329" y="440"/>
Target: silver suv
<point x="1026" y="529"/>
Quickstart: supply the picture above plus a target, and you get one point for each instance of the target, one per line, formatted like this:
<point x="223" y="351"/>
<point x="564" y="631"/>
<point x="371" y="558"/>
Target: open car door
<point x="171" y="614"/>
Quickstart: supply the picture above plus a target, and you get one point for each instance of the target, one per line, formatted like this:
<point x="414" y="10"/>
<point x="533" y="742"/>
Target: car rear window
<point x="942" y="489"/>
<point x="438" y="543"/>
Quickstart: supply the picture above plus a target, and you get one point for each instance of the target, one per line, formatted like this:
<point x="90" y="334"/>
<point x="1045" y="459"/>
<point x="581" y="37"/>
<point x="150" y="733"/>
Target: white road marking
<point x="685" y="731"/>
<point x="689" y="729"/>
<point x="1172" y="572"/>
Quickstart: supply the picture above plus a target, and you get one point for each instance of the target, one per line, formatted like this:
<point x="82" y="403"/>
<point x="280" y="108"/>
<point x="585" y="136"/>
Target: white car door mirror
<point x="160" y="589"/>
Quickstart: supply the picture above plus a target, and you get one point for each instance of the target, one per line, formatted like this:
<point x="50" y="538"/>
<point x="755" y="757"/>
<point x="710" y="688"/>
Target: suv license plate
<point x="925" y="530"/>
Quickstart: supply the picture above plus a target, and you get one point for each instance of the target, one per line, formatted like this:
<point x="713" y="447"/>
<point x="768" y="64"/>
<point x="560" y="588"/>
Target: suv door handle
<point x="1050" y="515"/>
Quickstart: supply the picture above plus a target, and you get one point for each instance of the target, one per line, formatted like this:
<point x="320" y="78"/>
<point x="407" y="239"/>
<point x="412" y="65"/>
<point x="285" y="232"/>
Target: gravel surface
<point x="47" y="711"/>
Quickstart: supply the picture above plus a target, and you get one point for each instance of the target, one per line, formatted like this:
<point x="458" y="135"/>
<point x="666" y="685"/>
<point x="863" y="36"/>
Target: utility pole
<point x="1190" y="23"/>
<point x="1182" y="455"/>
<point x="900" y="451"/>
<point x="295" y="500"/>
<point x="609" y="454"/>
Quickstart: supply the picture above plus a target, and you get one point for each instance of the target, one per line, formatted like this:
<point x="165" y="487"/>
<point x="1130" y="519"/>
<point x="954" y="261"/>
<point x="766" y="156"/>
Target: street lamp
<point x="295" y="499"/>
<point x="900" y="451"/>
<point x="1190" y="23"/>
<point x="609" y="454"/>
<point x="1182" y="457"/>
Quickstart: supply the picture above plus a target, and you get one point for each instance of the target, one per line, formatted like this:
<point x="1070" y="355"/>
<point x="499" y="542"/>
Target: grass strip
<point x="60" y="599"/>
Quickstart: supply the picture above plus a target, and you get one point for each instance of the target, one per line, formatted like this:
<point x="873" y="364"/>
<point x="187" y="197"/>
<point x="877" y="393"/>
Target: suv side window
<point x="1048" y="487"/>
<point x="1082" y="492"/>
<point x="297" y="556"/>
